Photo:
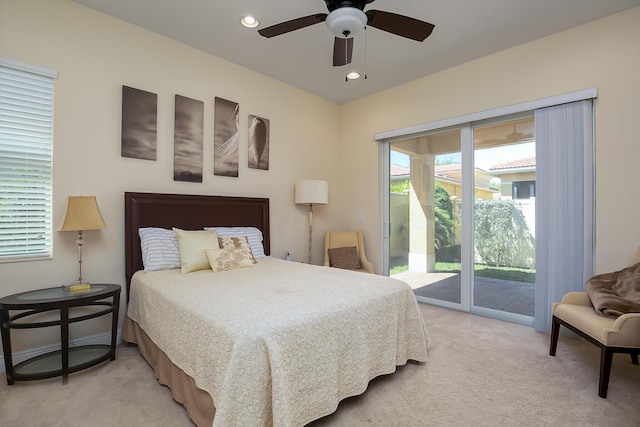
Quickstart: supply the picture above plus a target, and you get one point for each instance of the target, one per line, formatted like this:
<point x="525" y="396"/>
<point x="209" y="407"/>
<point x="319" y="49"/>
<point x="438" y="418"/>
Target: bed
<point x="277" y="343"/>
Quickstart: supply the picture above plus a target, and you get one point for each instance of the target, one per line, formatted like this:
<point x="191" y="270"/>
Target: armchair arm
<point x="327" y="240"/>
<point x="364" y="262"/>
<point x="366" y="265"/>
<point x="576" y="298"/>
<point x="625" y="331"/>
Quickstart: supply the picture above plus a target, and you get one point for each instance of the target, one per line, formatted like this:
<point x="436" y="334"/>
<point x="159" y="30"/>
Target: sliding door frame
<point x="466" y="124"/>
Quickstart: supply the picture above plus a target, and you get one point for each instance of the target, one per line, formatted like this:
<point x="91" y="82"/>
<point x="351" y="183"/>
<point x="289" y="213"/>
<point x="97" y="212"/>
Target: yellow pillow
<point x="192" y="245"/>
<point x="228" y="259"/>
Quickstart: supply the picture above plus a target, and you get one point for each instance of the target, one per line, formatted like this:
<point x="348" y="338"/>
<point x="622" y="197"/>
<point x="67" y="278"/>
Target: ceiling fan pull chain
<point x="346" y="47"/>
<point x="366" y="53"/>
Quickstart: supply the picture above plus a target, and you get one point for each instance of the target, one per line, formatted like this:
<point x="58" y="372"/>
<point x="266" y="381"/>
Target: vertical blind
<point x="564" y="205"/>
<point x="26" y="145"/>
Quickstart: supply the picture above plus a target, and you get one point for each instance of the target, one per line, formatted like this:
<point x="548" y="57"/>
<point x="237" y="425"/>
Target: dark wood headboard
<point x="189" y="212"/>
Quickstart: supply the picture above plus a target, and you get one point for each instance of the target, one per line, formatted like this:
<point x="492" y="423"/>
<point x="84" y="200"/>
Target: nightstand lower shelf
<point x="50" y="364"/>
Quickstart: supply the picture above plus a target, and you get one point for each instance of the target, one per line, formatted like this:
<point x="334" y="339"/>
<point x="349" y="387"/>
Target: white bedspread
<point x="279" y="343"/>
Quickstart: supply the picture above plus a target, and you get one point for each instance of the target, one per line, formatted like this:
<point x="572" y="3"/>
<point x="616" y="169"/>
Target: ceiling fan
<point x="510" y="138"/>
<point x="346" y="18"/>
<point x="517" y="136"/>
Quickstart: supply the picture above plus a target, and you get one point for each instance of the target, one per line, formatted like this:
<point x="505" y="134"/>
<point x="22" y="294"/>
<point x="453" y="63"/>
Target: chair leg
<point x="606" y="357"/>
<point x="555" y="331"/>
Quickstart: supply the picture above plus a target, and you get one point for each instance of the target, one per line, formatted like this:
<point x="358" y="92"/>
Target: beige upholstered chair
<point x="621" y="335"/>
<point x="347" y="239"/>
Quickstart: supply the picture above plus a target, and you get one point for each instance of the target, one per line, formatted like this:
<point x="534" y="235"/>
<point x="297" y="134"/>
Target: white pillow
<point x="193" y="245"/>
<point x="254" y="236"/>
<point x="159" y="249"/>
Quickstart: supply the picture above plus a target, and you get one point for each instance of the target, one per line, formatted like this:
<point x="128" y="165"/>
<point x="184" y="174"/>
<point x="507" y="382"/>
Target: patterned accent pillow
<point x="346" y="258"/>
<point x="236" y="243"/>
<point x="254" y="236"/>
<point x="159" y="249"/>
<point x="193" y="245"/>
<point x="229" y="259"/>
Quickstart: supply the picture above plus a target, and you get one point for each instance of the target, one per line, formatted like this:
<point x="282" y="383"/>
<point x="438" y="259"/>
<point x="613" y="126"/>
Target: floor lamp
<point x="311" y="192"/>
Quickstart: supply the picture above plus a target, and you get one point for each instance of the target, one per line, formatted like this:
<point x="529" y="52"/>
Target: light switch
<point x="361" y="217"/>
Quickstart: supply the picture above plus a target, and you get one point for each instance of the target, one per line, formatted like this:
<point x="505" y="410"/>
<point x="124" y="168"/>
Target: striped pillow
<point x="193" y="245"/>
<point x="253" y="234"/>
<point x="159" y="249"/>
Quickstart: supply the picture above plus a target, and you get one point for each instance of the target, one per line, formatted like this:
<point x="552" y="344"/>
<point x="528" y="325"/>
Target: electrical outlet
<point x="361" y="217"/>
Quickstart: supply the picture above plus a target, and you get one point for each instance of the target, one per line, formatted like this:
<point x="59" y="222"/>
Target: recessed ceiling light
<point x="249" y="22"/>
<point x="353" y="75"/>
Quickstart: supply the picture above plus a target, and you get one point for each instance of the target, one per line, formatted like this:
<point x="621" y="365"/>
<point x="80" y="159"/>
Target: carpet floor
<point x="480" y="372"/>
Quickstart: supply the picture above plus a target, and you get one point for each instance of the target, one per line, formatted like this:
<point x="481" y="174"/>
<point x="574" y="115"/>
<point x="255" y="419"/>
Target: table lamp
<point x="82" y="214"/>
<point x="311" y="192"/>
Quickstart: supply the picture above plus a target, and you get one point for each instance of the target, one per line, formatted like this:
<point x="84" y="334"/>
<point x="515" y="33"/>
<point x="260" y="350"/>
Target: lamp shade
<point x="82" y="214"/>
<point x="312" y="192"/>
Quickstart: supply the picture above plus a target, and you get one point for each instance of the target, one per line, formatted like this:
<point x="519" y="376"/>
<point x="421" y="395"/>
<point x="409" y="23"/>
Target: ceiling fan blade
<point x="294" y="24"/>
<point x="400" y="25"/>
<point x="342" y="51"/>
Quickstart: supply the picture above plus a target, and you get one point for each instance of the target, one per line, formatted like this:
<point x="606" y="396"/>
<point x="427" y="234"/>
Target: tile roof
<point x="526" y="162"/>
<point x="397" y="170"/>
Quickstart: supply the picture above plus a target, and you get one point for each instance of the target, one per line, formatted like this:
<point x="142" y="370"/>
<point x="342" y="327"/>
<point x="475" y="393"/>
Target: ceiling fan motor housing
<point x="345" y="22"/>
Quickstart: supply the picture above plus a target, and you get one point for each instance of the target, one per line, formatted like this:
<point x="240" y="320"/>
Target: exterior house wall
<point x="507" y="179"/>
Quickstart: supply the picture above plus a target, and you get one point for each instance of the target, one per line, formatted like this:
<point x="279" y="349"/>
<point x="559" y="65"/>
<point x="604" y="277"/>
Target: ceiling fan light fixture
<point x="345" y="22"/>
<point x="249" y="22"/>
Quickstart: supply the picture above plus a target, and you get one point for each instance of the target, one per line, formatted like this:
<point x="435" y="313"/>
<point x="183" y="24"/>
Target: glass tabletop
<point x="60" y="292"/>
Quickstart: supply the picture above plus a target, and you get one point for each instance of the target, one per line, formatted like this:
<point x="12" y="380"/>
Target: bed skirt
<point x="197" y="402"/>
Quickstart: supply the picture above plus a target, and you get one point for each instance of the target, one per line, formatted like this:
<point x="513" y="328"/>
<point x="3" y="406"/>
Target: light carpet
<point x="480" y="372"/>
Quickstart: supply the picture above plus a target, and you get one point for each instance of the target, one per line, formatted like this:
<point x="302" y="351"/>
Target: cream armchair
<point x="345" y="240"/>
<point x="621" y="335"/>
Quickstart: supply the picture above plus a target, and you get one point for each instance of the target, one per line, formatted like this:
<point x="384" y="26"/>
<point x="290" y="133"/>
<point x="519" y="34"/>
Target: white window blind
<point x="26" y="145"/>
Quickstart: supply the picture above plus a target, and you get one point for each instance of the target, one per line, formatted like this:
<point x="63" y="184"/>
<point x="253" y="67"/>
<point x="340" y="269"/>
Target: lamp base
<point x="78" y="286"/>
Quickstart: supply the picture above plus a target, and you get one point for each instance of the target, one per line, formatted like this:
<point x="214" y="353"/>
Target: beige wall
<point x="310" y="138"/>
<point x="602" y="54"/>
<point x="95" y="55"/>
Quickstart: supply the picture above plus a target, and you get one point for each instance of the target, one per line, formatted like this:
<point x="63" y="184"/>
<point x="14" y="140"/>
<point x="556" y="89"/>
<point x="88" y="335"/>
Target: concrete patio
<point x="503" y="295"/>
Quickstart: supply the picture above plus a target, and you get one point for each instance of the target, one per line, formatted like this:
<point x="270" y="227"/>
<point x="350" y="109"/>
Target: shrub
<point x="502" y="237"/>
<point x="445" y="234"/>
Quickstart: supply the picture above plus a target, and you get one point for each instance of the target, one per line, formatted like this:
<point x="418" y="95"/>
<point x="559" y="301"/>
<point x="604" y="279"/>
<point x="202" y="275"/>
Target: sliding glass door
<point x="504" y="158"/>
<point x="425" y="194"/>
<point x="462" y="216"/>
<point x="524" y="216"/>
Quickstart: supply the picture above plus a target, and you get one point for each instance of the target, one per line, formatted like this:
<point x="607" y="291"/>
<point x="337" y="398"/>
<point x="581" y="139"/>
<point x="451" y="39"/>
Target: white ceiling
<point x="464" y="30"/>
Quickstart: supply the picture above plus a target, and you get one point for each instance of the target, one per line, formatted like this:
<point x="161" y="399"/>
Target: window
<point x="26" y="142"/>
<point x="523" y="190"/>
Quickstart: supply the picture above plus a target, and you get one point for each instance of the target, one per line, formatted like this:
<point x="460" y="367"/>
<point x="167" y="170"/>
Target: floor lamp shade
<point x="311" y="192"/>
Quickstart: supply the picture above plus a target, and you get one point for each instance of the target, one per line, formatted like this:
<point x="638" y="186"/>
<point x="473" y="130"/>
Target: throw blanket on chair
<point x="617" y="293"/>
